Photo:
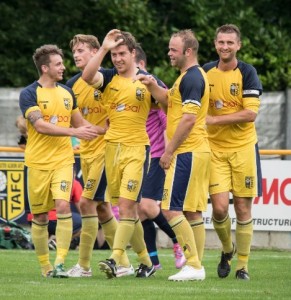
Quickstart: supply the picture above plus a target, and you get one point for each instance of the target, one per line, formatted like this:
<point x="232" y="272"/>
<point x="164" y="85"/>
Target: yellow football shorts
<point x="126" y="167"/>
<point x="93" y="172"/>
<point x="45" y="186"/>
<point x="237" y="172"/>
<point x="187" y="182"/>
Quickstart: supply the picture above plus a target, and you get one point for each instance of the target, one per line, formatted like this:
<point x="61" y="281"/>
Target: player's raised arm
<point x="90" y="73"/>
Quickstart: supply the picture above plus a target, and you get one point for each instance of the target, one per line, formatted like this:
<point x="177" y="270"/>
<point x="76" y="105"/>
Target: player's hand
<point x="147" y="80"/>
<point x="86" y="132"/>
<point x="112" y="39"/>
<point x="210" y="120"/>
<point x="165" y="161"/>
<point x="101" y="130"/>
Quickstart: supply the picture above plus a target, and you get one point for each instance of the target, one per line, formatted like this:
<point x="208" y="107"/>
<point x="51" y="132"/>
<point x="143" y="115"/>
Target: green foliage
<point x="265" y="27"/>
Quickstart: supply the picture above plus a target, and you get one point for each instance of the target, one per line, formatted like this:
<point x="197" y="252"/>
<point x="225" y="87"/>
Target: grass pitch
<point x="270" y="273"/>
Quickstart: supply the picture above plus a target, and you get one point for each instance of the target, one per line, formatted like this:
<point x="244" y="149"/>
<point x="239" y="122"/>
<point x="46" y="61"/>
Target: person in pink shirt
<point x="152" y="191"/>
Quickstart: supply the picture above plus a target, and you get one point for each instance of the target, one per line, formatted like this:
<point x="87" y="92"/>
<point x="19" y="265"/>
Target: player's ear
<point x="44" y="68"/>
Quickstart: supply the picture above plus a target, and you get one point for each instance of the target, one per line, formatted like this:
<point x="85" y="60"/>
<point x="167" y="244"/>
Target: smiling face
<point x="176" y="52"/>
<point x="227" y="45"/>
<point x="122" y="59"/>
<point x="82" y="53"/>
<point x="55" y="68"/>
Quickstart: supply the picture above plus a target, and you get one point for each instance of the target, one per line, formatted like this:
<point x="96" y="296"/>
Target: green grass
<point x="270" y="273"/>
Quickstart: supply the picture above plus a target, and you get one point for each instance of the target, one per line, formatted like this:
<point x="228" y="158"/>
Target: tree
<point x="26" y="25"/>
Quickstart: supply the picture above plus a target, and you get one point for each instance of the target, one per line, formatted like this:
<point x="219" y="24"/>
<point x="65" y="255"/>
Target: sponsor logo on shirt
<point x="125" y="107"/>
<point x="55" y="119"/>
<point x="90" y="110"/>
<point x="219" y="104"/>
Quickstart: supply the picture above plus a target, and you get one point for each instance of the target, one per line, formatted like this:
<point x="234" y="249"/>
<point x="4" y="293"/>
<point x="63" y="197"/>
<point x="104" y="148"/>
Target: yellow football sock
<point x="123" y="234"/>
<point x="63" y="236"/>
<point x="109" y="229"/>
<point x="223" y="230"/>
<point x="87" y="239"/>
<point x="39" y="234"/>
<point x="244" y="235"/>
<point x="185" y="237"/>
<point x="138" y="244"/>
<point x="198" y="229"/>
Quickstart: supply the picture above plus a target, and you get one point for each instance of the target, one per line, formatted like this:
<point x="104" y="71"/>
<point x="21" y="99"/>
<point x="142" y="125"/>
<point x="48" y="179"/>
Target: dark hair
<point x="140" y="54"/>
<point x="89" y="39"/>
<point x="228" y="28"/>
<point x="42" y="55"/>
<point x="128" y="40"/>
<point x="189" y="39"/>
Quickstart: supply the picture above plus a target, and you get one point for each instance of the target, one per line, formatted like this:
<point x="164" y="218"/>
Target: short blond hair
<point x="90" y="40"/>
<point x="189" y="39"/>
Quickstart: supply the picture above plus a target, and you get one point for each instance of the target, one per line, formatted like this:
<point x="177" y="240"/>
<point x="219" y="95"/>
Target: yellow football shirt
<point x="56" y="105"/>
<point x="127" y="103"/>
<point x="89" y="102"/>
<point x="189" y="94"/>
<point x="230" y="92"/>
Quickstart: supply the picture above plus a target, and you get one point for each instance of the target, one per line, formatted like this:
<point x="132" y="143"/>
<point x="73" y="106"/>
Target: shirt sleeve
<point x="191" y="88"/>
<point x="27" y="100"/>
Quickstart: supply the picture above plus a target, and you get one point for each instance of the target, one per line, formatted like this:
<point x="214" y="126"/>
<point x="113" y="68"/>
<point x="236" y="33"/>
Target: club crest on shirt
<point x="234" y="89"/>
<point x="165" y="194"/>
<point x="90" y="184"/>
<point x="132" y="185"/>
<point x="65" y="185"/>
<point x="249" y="182"/>
<point x="67" y="103"/>
<point x="140" y="93"/>
<point x="97" y="95"/>
<point x="172" y="90"/>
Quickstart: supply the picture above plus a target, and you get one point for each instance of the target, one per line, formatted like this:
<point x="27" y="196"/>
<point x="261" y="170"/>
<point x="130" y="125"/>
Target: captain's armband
<point x="34" y="116"/>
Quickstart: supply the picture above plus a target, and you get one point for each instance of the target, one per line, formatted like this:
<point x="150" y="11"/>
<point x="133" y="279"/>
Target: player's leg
<point x="109" y="225"/>
<point x="247" y="180"/>
<point x="61" y="190"/>
<point x="220" y="185"/>
<point x="95" y="183"/>
<point x="41" y="202"/>
<point x="150" y="213"/>
<point x="244" y="234"/>
<point x="177" y="183"/>
<point x="127" y="170"/>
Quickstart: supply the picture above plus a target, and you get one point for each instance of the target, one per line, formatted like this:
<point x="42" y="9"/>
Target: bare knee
<point x="62" y="207"/>
<point x="41" y="218"/>
<point x="220" y="205"/>
<point x="88" y="206"/>
<point x="104" y="211"/>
